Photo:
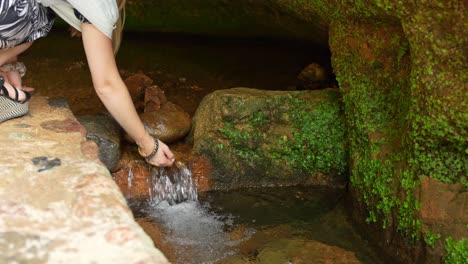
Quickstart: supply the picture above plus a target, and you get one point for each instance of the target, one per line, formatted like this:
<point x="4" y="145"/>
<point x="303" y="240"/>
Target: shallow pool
<point x="267" y="225"/>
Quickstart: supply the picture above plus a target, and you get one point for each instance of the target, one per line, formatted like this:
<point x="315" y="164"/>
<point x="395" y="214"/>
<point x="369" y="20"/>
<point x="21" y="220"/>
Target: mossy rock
<point x="271" y="138"/>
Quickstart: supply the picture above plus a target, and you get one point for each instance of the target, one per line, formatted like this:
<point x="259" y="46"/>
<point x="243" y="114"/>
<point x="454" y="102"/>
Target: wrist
<point x="145" y="145"/>
<point x="154" y="151"/>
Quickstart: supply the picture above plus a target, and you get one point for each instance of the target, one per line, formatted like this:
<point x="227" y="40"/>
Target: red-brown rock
<point x="154" y="98"/>
<point x="132" y="178"/>
<point x="154" y="231"/>
<point x="201" y="170"/>
<point x="136" y="85"/>
<point x="444" y="208"/>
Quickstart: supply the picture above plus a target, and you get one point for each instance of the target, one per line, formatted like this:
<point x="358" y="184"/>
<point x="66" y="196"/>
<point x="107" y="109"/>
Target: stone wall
<point x="400" y="69"/>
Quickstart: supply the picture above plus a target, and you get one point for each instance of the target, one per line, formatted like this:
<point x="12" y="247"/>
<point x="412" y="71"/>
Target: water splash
<point x="199" y="236"/>
<point x="130" y="179"/>
<point x="174" y="185"/>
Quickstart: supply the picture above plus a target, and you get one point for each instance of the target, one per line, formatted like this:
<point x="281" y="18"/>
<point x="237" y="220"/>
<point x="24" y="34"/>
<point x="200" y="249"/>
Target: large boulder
<point x="266" y="138"/>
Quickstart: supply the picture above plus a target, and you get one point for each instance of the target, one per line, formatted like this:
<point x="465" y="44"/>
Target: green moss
<point x="314" y="142"/>
<point x="430" y="238"/>
<point x="317" y="137"/>
<point x="374" y="78"/>
<point x="438" y="120"/>
<point x="457" y="252"/>
<point x="405" y="109"/>
<point x="240" y="141"/>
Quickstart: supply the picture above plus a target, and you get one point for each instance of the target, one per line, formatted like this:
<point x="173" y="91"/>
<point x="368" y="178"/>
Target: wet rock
<point x="312" y="77"/>
<point x="155" y="231"/>
<point x="161" y="118"/>
<point x="201" y="169"/>
<point x="448" y="214"/>
<point x="304" y="251"/>
<point x="279" y="244"/>
<point x="136" y="85"/>
<point x="132" y="176"/>
<point x="103" y="130"/>
<point x="271" y="138"/>
<point x="169" y="123"/>
<point x="154" y="98"/>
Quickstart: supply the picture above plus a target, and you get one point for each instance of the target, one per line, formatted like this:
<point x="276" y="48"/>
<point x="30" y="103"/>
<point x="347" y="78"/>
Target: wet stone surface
<point x="105" y="131"/>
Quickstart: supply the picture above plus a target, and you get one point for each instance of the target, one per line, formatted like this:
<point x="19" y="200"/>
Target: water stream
<point x="173" y="186"/>
<point x="197" y="234"/>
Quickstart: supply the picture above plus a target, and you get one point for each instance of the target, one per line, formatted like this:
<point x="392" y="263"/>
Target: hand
<point x="164" y="156"/>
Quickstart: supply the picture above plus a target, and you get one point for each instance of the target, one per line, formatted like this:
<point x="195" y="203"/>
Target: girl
<point x="23" y="21"/>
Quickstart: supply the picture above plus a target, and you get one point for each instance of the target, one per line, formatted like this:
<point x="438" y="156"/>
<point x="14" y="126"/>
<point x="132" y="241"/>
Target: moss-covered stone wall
<point x="401" y="70"/>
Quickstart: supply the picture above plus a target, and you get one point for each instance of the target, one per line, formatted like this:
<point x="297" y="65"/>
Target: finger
<point x="164" y="163"/>
<point x="167" y="162"/>
<point x="161" y="161"/>
<point x="168" y="153"/>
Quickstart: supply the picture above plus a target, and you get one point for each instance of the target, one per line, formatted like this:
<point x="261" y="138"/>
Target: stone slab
<point x="58" y="202"/>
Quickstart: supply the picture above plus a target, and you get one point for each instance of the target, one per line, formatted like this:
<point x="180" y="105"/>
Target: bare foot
<point x="27" y="89"/>
<point x="13" y="93"/>
<point x="14" y="78"/>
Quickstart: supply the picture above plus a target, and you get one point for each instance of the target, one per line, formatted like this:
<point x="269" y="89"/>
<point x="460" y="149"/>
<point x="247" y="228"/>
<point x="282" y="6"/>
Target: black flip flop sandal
<point x="12" y="107"/>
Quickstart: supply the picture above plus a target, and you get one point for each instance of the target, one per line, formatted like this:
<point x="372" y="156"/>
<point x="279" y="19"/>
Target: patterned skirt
<point x="23" y="21"/>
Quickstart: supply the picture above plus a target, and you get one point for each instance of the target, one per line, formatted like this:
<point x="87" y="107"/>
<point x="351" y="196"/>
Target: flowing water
<point x="173" y="186"/>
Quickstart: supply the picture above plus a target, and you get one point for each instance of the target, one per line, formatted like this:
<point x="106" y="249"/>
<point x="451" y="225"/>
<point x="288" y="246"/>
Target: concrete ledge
<point x="58" y="202"/>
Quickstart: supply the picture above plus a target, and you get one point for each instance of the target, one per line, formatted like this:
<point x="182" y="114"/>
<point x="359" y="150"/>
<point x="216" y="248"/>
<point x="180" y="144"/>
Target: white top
<point x="103" y="14"/>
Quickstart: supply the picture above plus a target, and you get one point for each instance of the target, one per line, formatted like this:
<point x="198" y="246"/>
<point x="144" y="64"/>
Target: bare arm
<point x="8" y="55"/>
<point x="114" y="94"/>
